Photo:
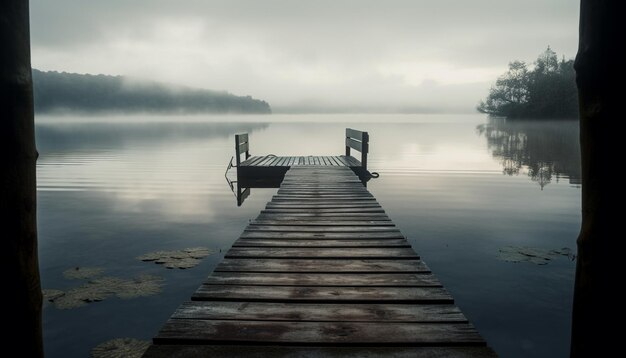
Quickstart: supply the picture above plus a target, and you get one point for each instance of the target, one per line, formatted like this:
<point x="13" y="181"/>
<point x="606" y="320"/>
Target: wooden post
<point x="237" y="150"/>
<point x="347" y="146"/>
<point x="364" y="150"/>
<point x="17" y="182"/>
<point x="599" y="76"/>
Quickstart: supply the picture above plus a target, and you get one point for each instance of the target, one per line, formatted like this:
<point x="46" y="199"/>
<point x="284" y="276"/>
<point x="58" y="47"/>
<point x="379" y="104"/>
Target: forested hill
<point x="62" y="91"/>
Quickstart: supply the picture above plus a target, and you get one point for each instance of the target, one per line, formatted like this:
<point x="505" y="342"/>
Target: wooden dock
<point x="322" y="271"/>
<point x="269" y="170"/>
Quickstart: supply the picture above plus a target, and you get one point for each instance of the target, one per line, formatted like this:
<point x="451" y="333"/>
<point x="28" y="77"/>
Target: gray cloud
<point x="402" y="53"/>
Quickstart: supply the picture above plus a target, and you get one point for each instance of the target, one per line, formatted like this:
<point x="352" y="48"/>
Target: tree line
<point x="547" y="89"/>
<point x="62" y="91"/>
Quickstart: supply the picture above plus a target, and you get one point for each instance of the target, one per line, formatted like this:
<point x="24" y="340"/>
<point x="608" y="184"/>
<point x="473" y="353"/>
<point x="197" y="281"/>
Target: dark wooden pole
<point x="597" y="279"/>
<point x="18" y="222"/>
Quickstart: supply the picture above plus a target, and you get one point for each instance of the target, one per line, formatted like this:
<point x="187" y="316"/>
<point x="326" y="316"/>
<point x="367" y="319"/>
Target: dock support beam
<point x="17" y="181"/>
<point x="599" y="70"/>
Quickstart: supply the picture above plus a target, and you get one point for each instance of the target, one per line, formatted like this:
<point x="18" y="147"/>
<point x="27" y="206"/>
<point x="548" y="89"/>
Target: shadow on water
<point x="544" y="150"/>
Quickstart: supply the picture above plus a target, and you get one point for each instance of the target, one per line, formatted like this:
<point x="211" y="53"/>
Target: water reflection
<point x="544" y="150"/>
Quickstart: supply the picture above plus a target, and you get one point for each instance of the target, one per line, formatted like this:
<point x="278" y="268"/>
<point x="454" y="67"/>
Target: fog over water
<point x="350" y="55"/>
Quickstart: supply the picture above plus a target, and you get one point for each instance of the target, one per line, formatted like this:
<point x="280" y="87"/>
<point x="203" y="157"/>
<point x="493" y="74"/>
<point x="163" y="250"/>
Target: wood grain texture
<point x="275" y="351"/>
<point x="324" y="279"/>
<point x="321" y="271"/>
<point x="318" y="333"/>
<point x="331" y="312"/>
<point x="318" y="265"/>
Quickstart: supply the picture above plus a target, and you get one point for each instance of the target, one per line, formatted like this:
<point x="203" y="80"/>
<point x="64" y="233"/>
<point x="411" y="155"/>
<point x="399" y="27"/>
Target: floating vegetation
<point x="539" y="256"/>
<point x="82" y="273"/>
<point x="101" y="288"/>
<point x="120" y="348"/>
<point x="181" y="259"/>
<point x="51" y="295"/>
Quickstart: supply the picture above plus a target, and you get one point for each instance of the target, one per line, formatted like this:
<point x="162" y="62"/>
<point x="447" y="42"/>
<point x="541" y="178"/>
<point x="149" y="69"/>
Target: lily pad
<point x="539" y="256"/>
<point x="181" y="259"/>
<point x="82" y="273"/>
<point x="51" y="295"/>
<point x="104" y="287"/>
<point x="120" y="348"/>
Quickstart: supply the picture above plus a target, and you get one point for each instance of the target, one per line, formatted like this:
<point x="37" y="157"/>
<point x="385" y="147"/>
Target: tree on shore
<point x="545" y="90"/>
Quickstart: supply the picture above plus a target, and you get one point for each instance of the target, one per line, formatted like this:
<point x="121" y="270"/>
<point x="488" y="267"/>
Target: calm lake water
<point x="458" y="186"/>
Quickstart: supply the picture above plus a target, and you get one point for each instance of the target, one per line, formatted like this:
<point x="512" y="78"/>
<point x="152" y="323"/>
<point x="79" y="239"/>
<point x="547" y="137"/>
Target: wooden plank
<point x="244" y="147"/>
<point x="255" y="351"/>
<point x="328" y="216"/>
<point x="323" y="200"/>
<point x="354" y="144"/>
<point x="268" y="159"/>
<point x="355" y="134"/>
<point x="321" y="235"/>
<point x="275" y="161"/>
<point x="279" y="161"/>
<point x="242" y="138"/>
<point x="310" y="180"/>
<point x="324" y="210"/>
<point x="321" y="229"/>
<point x="326" y="222"/>
<point x="318" y="333"/>
<point x="323" y="279"/>
<point x="321" y="243"/>
<point x="320" y="215"/>
<point x="328" y="205"/>
<point x="320" y="265"/>
<point x="308" y="312"/>
<point x="320" y="253"/>
<point x="352" y="162"/>
<point x="321" y="193"/>
<point x="249" y="161"/>
<point x="286" y="217"/>
<point x="321" y="294"/>
<point x="316" y="196"/>
<point x="334" y="159"/>
<point x="304" y="189"/>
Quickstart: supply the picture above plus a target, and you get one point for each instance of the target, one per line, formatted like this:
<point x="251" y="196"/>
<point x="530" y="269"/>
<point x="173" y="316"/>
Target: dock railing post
<point x="241" y="145"/>
<point x="365" y="149"/>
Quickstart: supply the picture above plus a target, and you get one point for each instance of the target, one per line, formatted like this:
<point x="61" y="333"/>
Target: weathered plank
<point x="325" y="210"/>
<point x="320" y="229"/>
<point x="325" y="253"/>
<point x="380" y="243"/>
<point x="330" y="312"/>
<point x="314" y="215"/>
<point x="325" y="222"/>
<point x="320" y="294"/>
<point x="275" y="351"/>
<point x="323" y="279"/>
<point x="324" y="216"/>
<point x="321" y="235"/>
<point x="321" y="266"/>
<point x="318" y="195"/>
<point x="318" y="333"/>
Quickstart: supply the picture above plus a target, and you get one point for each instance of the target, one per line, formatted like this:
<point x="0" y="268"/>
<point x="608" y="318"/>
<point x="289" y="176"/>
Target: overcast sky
<point x="401" y="54"/>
